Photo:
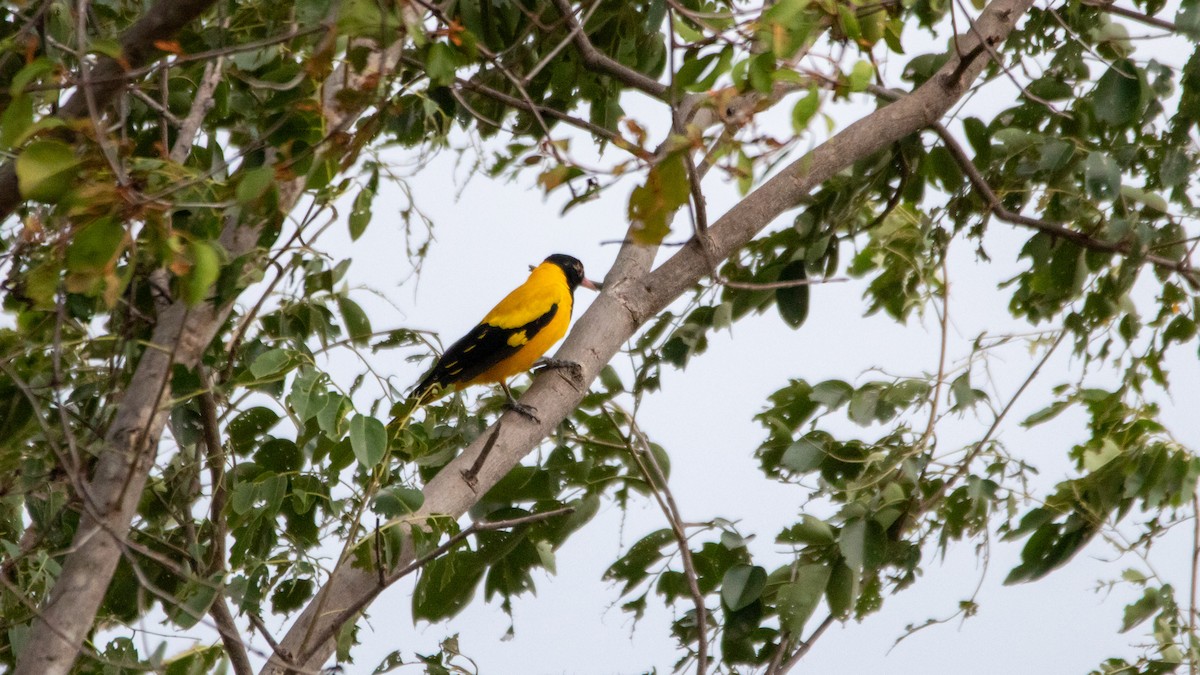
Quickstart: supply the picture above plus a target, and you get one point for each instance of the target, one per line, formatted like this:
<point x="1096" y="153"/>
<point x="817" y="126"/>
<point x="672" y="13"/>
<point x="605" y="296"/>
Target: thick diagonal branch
<point x="632" y="296"/>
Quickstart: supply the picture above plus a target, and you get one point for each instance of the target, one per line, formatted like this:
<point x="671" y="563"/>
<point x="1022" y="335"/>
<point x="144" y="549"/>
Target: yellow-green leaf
<point x="206" y="267"/>
<point x="95" y="246"/>
<point x="653" y="204"/>
<point x="46" y="170"/>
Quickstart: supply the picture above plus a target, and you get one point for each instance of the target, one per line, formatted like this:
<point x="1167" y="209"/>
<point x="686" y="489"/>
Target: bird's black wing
<point x="477" y="351"/>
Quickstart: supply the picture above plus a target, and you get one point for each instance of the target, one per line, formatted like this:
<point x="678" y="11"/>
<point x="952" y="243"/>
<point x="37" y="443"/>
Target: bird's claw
<point x="574" y="370"/>
<point x="527" y="411"/>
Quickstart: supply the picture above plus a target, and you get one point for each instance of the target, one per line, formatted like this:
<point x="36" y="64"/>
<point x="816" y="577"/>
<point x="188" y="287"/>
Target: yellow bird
<point x="514" y="335"/>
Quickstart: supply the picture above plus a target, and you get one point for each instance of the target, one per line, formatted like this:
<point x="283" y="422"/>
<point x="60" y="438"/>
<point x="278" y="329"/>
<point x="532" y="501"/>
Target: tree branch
<point x="231" y="637"/>
<point x="1110" y="7"/>
<point x="201" y="104"/>
<point x="1182" y="267"/>
<point x="806" y="646"/>
<point x="161" y="22"/>
<point x="597" y="60"/>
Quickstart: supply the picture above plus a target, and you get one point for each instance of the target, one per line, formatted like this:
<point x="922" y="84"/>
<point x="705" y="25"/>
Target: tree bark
<point x="632" y="295"/>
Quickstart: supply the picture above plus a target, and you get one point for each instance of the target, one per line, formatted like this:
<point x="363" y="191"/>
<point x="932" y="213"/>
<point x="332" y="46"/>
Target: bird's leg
<point x="527" y="411"/>
<point x="471" y="475"/>
<point x="574" y="370"/>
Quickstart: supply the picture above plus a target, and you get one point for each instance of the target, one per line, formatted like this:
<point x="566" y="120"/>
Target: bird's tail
<point x="427" y="390"/>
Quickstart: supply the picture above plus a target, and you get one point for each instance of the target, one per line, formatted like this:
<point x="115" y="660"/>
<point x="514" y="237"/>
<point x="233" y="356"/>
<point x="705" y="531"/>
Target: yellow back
<point x="545" y="287"/>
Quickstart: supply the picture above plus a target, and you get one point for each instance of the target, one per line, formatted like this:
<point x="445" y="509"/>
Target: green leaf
<point x="1175" y="169"/>
<point x="46" y="170"/>
<point x="742" y="585"/>
<point x="15" y="119"/>
<point x="446" y="586"/>
<point x="368" y="439"/>
<point x="204" y="272"/>
<point x="1187" y="19"/>
<point x="1141" y="609"/>
<point x="805" y="108"/>
<point x="832" y="394"/>
<point x="270" y="364"/>
<point x="358" y="326"/>
<point x="193" y="602"/>
<point x="249" y="426"/>
<point x="1046" y="414"/>
<point x="793" y="302"/>
<point x="30" y="72"/>
<point x="254" y="184"/>
<point x="842" y="591"/>
<point x="1118" y="94"/>
<point x="803" y="456"/>
<point x="360" y="215"/>
<point x="398" y="500"/>
<point x="389" y="663"/>
<point x="290" y="595"/>
<point x="1101" y="175"/>
<point x="810" y="530"/>
<point x="798" y="599"/>
<point x="441" y="64"/>
<point x="761" y="71"/>
<point x="861" y="542"/>
<point x="1181" y="329"/>
<point x="545" y="551"/>
<point x="94" y="248"/>
<point x="863" y="406"/>
<point x="963" y="395"/>
<point x="861" y="75"/>
<point x="653" y="204"/>
<point x="279" y="455"/>
<point x="848" y="22"/>
<point x="363" y="17"/>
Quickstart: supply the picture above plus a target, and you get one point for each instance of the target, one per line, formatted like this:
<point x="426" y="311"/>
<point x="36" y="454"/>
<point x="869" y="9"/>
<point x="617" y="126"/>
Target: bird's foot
<point x="527" y="411"/>
<point x="574" y="370"/>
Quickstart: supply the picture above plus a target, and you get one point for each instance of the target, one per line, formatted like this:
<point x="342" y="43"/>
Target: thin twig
<point x="1192" y="659"/>
<point x="974" y="452"/>
<point x="776" y="285"/>
<point x="261" y="627"/>
<point x="166" y="115"/>
<point x="806" y="645"/>
<point x="1112" y="8"/>
<point x="657" y="482"/>
<point x="320" y="637"/>
<point x="1182" y="267"/>
<point x="941" y="372"/>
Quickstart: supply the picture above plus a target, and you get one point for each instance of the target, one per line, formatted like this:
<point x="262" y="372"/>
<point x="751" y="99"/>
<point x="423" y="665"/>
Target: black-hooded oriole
<point x="515" y="334"/>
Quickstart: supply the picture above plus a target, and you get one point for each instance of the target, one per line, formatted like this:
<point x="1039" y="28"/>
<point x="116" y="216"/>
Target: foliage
<point x="266" y="117"/>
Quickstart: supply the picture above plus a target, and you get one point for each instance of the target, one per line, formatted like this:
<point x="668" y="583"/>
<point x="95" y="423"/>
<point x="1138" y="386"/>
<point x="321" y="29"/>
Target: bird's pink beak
<point x="593" y="285"/>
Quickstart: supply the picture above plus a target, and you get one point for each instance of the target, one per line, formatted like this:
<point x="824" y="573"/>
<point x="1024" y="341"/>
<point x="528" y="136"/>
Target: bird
<point x="513" y="335"/>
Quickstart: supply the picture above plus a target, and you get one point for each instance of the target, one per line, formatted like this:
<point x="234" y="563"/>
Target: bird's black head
<point x="571" y="267"/>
